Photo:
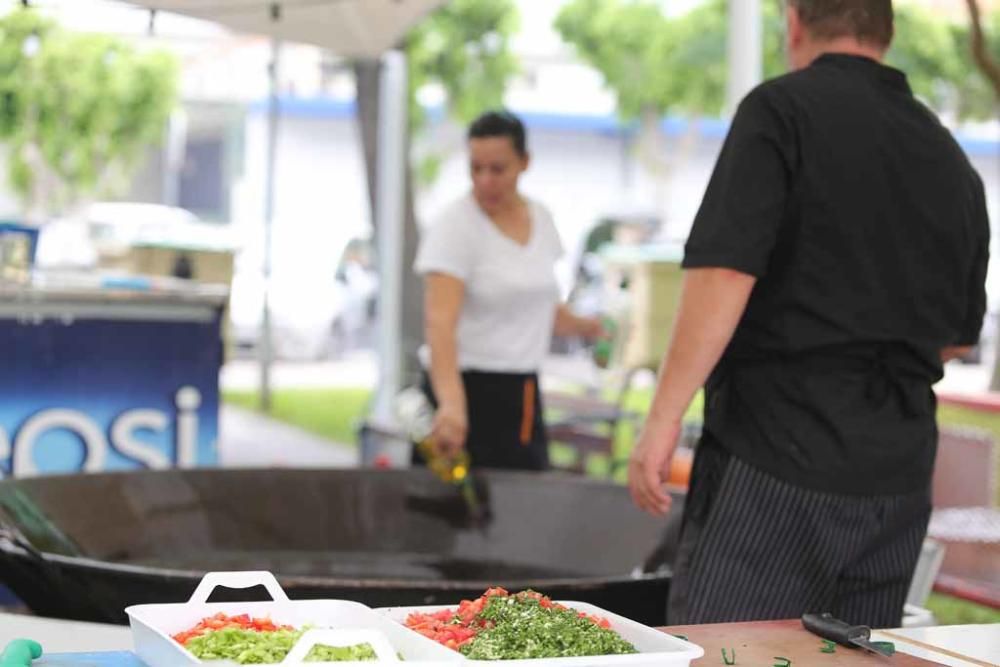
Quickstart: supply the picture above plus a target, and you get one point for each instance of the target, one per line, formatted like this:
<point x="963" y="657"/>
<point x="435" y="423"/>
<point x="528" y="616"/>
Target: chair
<point x="589" y="424"/>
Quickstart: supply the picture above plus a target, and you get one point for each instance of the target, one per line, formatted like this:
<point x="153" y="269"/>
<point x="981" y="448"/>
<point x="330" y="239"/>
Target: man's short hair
<point x="868" y="21"/>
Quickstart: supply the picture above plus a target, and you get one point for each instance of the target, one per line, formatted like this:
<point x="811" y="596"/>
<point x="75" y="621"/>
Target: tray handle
<point x="341" y="637"/>
<point x="238" y="580"/>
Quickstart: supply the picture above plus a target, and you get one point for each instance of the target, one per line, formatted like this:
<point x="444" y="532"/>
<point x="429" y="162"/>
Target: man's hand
<point x="451" y="426"/>
<point x="955" y="352"/>
<point x="712" y="303"/>
<point x="649" y="466"/>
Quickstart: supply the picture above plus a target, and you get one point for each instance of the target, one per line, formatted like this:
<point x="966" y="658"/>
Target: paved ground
<point x="249" y="440"/>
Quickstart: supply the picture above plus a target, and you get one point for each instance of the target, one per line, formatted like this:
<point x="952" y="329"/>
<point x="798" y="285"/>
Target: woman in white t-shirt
<point x="492" y="306"/>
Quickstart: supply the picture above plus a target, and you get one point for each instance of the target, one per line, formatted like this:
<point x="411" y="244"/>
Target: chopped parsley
<point x="518" y="627"/>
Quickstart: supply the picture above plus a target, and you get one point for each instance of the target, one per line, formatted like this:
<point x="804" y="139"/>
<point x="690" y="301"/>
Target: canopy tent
<point x="349" y="28"/>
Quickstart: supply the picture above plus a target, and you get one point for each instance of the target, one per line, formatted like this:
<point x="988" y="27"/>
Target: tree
<point x="627" y="44"/>
<point x="988" y="62"/>
<point x="464" y="49"/>
<point x="926" y="49"/>
<point x="661" y="65"/>
<point x="980" y="55"/>
<point x="78" y="110"/>
<point x="948" y="63"/>
<point x="657" y="65"/>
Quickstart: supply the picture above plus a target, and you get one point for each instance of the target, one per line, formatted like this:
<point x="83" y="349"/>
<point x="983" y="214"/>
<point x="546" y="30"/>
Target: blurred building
<point x="585" y="168"/>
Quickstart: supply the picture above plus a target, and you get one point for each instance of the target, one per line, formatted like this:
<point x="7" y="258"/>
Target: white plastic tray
<point x="655" y="648"/>
<point x="335" y="623"/>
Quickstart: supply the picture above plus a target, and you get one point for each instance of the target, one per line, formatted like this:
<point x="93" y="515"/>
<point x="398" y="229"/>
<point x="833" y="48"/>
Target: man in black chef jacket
<point x="837" y="261"/>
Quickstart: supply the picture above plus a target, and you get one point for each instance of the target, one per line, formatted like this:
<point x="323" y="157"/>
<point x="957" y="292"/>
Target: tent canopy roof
<point x="350" y="28"/>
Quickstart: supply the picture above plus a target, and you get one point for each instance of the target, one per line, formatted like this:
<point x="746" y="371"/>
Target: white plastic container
<point x="656" y="648"/>
<point x="918" y="617"/>
<point x="335" y="623"/>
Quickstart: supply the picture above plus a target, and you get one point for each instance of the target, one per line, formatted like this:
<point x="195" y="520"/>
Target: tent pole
<point x="273" y="117"/>
<point x="392" y="162"/>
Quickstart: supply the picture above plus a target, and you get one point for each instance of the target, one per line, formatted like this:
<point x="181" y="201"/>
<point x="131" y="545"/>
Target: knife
<point x="851" y="636"/>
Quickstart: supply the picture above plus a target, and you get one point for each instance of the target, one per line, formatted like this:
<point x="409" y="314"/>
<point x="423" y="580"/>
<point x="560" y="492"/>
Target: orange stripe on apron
<point x="528" y="412"/>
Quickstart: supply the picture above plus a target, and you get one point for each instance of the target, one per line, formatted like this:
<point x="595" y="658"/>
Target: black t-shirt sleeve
<point x="976" y="308"/>
<point x="738" y="221"/>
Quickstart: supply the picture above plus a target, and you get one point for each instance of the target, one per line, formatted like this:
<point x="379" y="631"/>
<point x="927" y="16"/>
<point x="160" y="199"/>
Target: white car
<point x="318" y="310"/>
<point x="105" y="230"/>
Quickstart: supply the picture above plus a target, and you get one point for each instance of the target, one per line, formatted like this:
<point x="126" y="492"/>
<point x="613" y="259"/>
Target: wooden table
<point x="758" y="644"/>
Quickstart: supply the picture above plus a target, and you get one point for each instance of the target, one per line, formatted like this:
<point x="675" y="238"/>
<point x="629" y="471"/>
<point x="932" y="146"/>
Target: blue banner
<point x="92" y="395"/>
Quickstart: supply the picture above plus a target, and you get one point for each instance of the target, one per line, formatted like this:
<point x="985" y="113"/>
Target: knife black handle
<point x="828" y="627"/>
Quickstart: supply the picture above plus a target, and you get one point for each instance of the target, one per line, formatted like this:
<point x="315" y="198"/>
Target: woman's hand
<point x="592" y="328"/>
<point x="569" y="324"/>
<point x="451" y="426"/>
<point x="444" y="296"/>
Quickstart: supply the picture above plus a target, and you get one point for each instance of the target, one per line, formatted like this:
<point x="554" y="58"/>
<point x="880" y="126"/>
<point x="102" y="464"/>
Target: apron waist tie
<point x="528" y="412"/>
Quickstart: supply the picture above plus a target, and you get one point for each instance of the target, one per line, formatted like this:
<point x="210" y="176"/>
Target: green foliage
<point x="954" y="611"/>
<point x="18" y="30"/>
<point x="698" y="58"/>
<point x="654" y="63"/>
<point x="626" y="43"/>
<point x="464" y="48"/>
<point x="658" y="64"/>
<point x="937" y="58"/>
<point x="978" y="99"/>
<point x="427" y="169"/>
<point x="78" y="109"/>
<point x="926" y="49"/>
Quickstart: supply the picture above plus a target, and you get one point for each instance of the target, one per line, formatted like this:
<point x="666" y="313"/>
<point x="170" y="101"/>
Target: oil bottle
<point x="416" y="416"/>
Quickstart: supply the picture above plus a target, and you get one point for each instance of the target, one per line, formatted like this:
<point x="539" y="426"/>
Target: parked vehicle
<point x="108" y="235"/>
<point x="318" y="309"/>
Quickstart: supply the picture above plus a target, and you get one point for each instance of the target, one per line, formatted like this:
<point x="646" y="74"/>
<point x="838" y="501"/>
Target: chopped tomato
<point x="220" y="621"/>
<point x="458" y="626"/>
<point x="442" y="630"/>
<point x="469" y="609"/>
<point x="596" y="620"/>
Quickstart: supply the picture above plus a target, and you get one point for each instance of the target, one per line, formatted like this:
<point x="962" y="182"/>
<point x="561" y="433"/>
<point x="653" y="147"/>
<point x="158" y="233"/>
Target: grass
<point x="953" y="611"/>
<point x="956" y="416"/>
<point x="335" y="413"/>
